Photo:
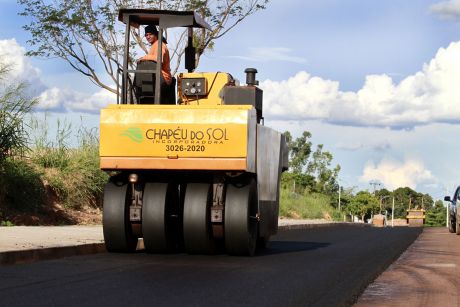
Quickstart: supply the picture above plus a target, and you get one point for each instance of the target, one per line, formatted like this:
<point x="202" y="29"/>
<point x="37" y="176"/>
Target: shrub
<point x="72" y="173"/>
<point x="306" y="206"/>
<point x="21" y="184"/>
<point x="14" y="107"/>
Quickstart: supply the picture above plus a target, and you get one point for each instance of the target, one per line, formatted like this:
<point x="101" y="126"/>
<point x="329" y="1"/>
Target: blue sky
<point x="374" y="81"/>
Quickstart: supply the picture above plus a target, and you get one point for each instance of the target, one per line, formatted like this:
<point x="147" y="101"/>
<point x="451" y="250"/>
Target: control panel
<point x="194" y="87"/>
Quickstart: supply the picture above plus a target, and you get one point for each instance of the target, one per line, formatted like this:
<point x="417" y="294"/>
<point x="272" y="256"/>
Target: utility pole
<point x="393" y="213"/>
<point x="375" y="184"/>
<point x="339" y="197"/>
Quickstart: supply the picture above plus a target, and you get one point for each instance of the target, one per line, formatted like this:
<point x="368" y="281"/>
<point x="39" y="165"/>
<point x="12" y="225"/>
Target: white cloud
<point x="270" y="54"/>
<point x="355" y="146"/>
<point x="429" y="96"/>
<point x="447" y="9"/>
<point x="20" y="68"/>
<point x="64" y="100"/>
<point x="432" y="95"/>
<point x="394" y="174"/>
<point x="50" y="99"/>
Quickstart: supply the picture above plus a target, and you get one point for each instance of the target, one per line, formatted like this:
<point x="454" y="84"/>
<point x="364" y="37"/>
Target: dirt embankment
<point x="52" y="212"/>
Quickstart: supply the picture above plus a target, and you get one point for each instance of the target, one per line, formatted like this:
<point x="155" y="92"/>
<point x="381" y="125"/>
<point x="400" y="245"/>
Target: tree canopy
<point x="310" y="170"/>
<point x="436" y="215"/>
<point x="87" y="35"/>
<point x="363" y="203"/>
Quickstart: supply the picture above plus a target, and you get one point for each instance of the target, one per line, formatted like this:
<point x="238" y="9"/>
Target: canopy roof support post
<point x="124" y="81"/>
<point x="159" y="64"/>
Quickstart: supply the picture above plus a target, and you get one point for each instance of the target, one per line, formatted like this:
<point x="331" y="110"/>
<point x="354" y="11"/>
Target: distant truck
<point x="416" y="217"/>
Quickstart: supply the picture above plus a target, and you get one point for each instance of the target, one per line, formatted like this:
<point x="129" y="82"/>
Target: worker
<point x="151" y="34"/>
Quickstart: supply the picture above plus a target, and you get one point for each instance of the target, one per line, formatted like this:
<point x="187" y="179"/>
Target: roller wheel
<point x="118" y="235"/>
<point x="262" y="243"/>
<point x="457" y="226"/>
<point x="240" y="219"/>
<point x="160" y="214"/>
<point x="452" y="225"/>
<point x="197" y="225"/>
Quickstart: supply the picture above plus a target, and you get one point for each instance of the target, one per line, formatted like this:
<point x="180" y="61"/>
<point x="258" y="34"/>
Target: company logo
<point x="135" y="134"/>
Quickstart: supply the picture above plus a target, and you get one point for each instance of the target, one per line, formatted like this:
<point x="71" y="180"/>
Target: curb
<point x="33" y="255"/>
<point x="308" y="226"/>
<point x="49" y="253"/>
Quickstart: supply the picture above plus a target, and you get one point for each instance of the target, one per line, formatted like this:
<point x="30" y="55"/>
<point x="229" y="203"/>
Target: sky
<point x="376" y="82"/>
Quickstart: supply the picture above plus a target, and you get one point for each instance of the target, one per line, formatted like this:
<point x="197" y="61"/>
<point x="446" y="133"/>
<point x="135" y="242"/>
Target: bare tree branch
<point x="77" y="31"/>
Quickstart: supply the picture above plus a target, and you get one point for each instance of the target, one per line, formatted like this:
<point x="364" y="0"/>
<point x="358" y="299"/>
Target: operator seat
<point x="144" y="85"/>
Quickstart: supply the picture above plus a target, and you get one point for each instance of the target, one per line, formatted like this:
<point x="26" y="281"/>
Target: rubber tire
<point x="160" y="202"/>
<point x="457" y="226"/>
<point x="452" y="225"/>
<point x="197" y="224"/>
<point x="240" y="226"/>
<point x="262" y="243"/>
<point x="117" y="231"/>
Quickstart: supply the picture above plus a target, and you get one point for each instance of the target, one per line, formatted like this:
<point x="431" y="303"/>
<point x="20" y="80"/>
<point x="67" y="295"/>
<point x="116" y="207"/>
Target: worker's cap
<point x="151" y="29"/>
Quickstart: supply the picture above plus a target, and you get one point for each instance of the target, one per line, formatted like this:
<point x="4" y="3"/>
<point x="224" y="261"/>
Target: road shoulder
<point x="426" y="274"/>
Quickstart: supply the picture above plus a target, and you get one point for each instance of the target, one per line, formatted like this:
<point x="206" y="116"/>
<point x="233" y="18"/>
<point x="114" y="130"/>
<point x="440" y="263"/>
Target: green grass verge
<point x="308" y="206"/>
<point x="53" y="172"/>
<point x="21" y="187"/>
<point x="73" y="173"/>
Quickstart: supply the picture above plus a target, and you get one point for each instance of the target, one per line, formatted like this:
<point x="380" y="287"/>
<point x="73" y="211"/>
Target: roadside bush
<point x="436" y="215"/>
<point x="22" y="187"/>
<point x="17" y="179"/>
<point x="306" y="206"/>
<point x="72" y="173"/>
<point x="14" y="107"/>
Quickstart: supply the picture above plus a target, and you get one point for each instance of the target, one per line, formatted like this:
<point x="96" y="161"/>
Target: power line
<point x="375" y="184"/>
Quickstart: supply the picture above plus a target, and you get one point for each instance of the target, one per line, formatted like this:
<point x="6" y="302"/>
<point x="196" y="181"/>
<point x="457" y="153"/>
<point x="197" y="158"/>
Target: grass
<point x="72" y="173"/>
<point x="307" y="206"/>
<point x="53" y="171"/>
<point x="6" y="223"/>
<point x="21" y="186"/>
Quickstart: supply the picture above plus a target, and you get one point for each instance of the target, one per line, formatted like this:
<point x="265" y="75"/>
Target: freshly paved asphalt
<point x="327" y="266"/>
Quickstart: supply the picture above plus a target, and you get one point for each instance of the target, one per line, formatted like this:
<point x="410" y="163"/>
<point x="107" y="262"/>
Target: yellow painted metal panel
<point x="174" y="131"/>
<point x="229" y="164"/>
<point x="215" y="82"/>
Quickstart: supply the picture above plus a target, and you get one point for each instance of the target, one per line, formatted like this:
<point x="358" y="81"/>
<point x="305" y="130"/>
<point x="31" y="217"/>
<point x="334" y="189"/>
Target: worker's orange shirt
<point x="165" y="61"/>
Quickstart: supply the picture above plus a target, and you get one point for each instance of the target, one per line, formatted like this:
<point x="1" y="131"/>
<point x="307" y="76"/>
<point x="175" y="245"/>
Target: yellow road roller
<point x="192" y="167"/>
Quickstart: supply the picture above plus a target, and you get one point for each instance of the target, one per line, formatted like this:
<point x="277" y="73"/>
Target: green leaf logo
<point x="135" y="134"/>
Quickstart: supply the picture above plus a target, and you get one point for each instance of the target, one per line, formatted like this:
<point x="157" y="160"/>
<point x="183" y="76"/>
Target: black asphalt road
<point x="328" y="266"/>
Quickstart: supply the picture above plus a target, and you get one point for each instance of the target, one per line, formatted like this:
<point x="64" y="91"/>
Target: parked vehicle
<point x="454" y="219"/>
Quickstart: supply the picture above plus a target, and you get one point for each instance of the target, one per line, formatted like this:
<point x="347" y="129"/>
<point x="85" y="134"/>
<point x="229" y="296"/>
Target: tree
<point x="436" y="214"/>
<point x="403" y="199"/>
<point x="406" y="198"/>
<point x="14" y="106"/>
<point x="299" y="151"/>
<point x="346" y="195"/>
<point x="307" y="171"/>
<point x="87" y="35"/>
<point x="319" y="167"/>
<point x="362" y="204"/>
